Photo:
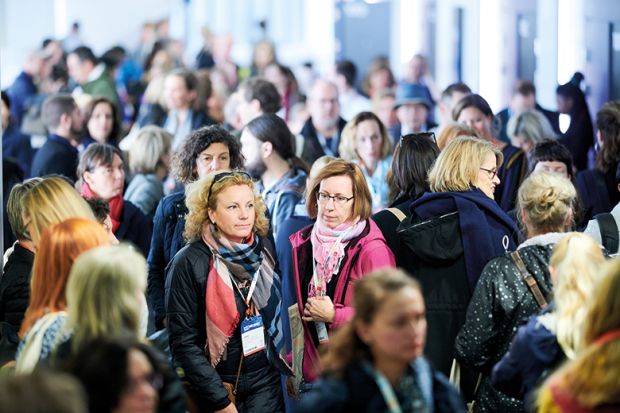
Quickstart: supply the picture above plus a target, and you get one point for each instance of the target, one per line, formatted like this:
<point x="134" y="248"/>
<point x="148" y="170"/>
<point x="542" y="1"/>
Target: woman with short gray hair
<point x="149" y="161"/>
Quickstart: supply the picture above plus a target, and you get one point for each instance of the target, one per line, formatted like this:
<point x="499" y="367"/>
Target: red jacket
<point x="363" y="254"/>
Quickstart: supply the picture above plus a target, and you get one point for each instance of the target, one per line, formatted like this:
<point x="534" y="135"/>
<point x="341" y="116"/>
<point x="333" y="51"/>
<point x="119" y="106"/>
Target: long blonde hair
<point x="103" y="293"/>
<point x="576" y="263"/>
<point x="593" y="378"/>
<point x="51" y="201"/>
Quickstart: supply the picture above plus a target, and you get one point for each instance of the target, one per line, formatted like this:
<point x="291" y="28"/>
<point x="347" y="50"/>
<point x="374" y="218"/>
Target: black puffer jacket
<point x="500" y="304"/>
<point x="259" y="383"/>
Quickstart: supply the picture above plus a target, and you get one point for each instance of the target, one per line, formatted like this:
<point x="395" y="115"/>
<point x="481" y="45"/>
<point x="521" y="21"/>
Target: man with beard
<point x="321" y="132"/>
<point x="63" y="119"/>
<point x="268" y="147"/>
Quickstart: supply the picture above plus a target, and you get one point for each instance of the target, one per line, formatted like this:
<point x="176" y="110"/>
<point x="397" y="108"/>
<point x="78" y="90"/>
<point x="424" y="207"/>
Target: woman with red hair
<point x="58" y="248"/>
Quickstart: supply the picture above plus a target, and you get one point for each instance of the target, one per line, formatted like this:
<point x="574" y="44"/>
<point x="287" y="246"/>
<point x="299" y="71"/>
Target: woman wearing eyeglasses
<point x="339" y="248"/>
<point x="365" y="141"/>
<point x="223" y="299"/>
<point x="452" y="232"/>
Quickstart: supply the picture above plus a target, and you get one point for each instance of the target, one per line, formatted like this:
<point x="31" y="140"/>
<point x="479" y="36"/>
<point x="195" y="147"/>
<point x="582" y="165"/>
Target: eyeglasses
<point x="422" y="135"/>
<point x="340" y="200"/>
<point x="223" y="175"/>
<point x="493" y="172"/>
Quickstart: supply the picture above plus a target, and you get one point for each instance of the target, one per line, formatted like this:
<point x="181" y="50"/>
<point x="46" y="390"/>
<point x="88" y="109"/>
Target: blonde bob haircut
<point x="458" y="164"/>
<point x="547" y="201"/>
<point x="103" y="293"/>
<point x="202" y="195"/>
<point x="51" y="201"/>
<point x="362" y="201"/>
<point x="348" y="139"/>
<point x="152" y="143"/>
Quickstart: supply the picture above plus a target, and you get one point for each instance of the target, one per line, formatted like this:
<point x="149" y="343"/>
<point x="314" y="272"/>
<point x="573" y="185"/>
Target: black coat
<point x="500" y="304"/>
<point x="388" y="223"/>
<point x="15" y="286"/>
<point x="55" y="157"/>
<point x="312" y="148"/>
<point x="135" y="227"/>
<point x="597" y="191"/>
<point x="185" y="303"/>
<point x="14" y="297"/>
<point x="356" y="391"/>
<point x="167" y="240"/>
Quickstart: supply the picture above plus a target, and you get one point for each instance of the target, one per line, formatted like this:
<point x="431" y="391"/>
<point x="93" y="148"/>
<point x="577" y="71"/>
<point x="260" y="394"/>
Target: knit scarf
<point x="328" y="246"/>
<point x="239" y="263"/>
<point x="116" y="205"/>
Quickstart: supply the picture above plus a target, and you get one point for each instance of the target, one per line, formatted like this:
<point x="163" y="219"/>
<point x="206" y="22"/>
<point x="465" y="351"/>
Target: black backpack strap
<point x="609" y="231"/>
<point x="529" y="280"/>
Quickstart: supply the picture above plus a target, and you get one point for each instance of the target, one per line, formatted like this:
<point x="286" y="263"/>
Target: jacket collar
<point x="549" y="238"/>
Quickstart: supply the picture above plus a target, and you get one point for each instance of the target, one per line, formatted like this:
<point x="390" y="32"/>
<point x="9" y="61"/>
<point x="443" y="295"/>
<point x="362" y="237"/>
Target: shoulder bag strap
<point x="400" y="215"/>
<point x="530" y="281"/>
<point x="609" y="231"/>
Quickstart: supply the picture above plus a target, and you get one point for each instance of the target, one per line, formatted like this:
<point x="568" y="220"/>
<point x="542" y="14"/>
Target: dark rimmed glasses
<point x="492" y="172"/>
<point x="223" y="175"/>
<point x="339" y="200"/>
<point x="421" y="135"/>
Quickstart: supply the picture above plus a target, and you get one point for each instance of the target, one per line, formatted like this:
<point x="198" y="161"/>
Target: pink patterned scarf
<point x="328" y="246"/>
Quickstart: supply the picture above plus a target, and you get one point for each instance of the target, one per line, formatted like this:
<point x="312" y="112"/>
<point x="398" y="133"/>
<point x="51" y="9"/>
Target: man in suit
<point x="58" y="155"/>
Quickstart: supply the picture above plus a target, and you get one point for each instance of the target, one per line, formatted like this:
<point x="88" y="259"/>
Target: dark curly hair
<point x="608" y="124"/>
<point x="184" y="159"/>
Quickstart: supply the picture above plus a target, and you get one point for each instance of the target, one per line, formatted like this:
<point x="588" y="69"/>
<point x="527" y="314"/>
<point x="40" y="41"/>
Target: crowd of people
<point x="207" y="238"/>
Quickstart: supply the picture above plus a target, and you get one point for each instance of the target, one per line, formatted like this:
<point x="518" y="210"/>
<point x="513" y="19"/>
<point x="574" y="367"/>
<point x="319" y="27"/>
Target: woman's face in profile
<point x="141" y="395"/>
<point x="398" y="330"/>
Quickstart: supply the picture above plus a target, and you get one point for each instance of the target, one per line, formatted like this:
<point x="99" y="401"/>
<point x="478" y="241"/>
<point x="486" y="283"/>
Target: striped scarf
<point x="239" y="263"/>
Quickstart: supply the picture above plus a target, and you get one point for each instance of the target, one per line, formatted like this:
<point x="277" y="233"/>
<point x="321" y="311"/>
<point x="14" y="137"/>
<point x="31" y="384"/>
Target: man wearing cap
<point x="412" y="108"/>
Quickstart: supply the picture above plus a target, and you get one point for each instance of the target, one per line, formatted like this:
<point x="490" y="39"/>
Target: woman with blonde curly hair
<point x="556" y="334"/>
<point x="223" y="295"/>
<point x="514" y="286"/>
<point x="590" y="382"/>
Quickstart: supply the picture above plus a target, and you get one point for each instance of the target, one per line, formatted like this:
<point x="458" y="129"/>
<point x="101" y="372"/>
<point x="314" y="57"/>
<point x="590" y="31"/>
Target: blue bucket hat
<point x="409" y="93"/>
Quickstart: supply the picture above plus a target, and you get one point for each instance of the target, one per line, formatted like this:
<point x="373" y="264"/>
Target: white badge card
<point x="252" y="335"/>
<point x="321" y="331"/>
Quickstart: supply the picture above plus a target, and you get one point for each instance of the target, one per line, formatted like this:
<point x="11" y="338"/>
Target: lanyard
<point x="250" y="292"/>
<point x="386" y="389"/>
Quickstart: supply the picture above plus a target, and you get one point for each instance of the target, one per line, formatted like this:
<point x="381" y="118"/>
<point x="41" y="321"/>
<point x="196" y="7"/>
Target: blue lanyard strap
<point x="385" y="388"/>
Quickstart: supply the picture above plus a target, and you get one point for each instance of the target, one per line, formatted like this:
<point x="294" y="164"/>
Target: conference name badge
<point x="252" y="335"/>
